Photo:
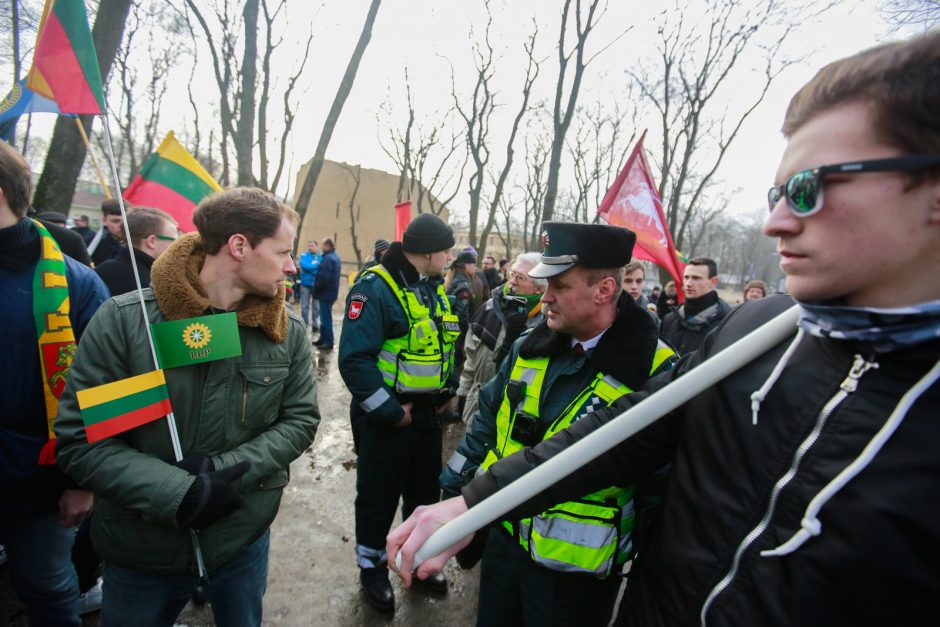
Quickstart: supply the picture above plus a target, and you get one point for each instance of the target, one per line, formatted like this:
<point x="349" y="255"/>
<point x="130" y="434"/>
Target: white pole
<point x="696" y="381"/>
<point x="170" y="418"/>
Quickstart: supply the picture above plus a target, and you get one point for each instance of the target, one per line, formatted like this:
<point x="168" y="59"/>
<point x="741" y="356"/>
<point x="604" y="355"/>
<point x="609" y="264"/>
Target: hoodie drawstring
<point x="758" y="397"/>
<point x="810" y="525"/>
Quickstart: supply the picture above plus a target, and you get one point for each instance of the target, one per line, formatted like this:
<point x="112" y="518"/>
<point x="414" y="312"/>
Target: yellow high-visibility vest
<point x="420" y="361"/>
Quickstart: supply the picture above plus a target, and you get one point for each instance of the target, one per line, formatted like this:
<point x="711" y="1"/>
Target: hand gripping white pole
<point x="694" y="382"/>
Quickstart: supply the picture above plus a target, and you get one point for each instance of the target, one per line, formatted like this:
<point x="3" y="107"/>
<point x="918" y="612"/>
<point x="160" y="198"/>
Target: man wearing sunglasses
<point x="803" y="486"/>
<point x="152" y="232"/>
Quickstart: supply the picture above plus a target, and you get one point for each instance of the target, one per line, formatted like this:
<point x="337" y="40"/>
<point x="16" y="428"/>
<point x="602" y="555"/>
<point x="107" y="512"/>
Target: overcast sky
<point x="430" y="37"/>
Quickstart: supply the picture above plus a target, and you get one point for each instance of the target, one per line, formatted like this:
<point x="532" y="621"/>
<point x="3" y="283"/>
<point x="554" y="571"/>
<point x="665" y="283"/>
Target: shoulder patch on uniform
<point x="355" y="309"/>
<point x="360" y="297"/>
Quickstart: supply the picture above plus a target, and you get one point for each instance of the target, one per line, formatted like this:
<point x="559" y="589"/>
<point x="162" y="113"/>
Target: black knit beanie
<point x="427" y="234"/>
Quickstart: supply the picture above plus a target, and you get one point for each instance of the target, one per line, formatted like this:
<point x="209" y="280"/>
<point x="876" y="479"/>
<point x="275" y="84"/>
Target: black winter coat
<point x="687" y="335"/>
<point x="731" y="495"/>
<point x="118" y="274"/>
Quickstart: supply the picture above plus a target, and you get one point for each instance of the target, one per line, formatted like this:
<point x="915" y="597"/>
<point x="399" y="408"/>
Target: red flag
<point x="402" y="218"/>
<point x="65" y="65"/>
<point x="633" y="202"/>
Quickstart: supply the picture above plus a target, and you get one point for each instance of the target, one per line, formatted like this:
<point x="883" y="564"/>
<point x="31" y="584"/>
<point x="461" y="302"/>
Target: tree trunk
<point x="345" y="86"/>
<point x="66" y="153"/>
<point x="245" y="138"/>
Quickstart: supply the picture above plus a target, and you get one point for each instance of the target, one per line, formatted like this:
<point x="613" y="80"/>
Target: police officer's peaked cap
<point x="567" y="244"/>
<point x="427" y="234"/>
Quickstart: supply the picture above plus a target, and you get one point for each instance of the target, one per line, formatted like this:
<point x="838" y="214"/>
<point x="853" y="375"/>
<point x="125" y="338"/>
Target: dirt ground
<point x="313" y="578"/>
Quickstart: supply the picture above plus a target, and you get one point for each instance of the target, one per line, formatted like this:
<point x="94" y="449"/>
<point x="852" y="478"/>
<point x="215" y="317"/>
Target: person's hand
<point x="406" y="419"/>
<point x="195" y="463"/>
<point x="211" y="497"/>
<point x="408" y="537"/>
<point x="74" y="505"/>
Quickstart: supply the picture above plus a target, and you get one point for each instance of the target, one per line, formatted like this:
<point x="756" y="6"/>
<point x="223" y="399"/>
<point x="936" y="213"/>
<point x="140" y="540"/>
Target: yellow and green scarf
<point x="53" y="330"/>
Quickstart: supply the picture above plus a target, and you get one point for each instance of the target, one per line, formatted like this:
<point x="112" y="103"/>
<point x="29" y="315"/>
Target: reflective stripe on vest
<point x="590" y="535"/>
<point x="420" y="361"/>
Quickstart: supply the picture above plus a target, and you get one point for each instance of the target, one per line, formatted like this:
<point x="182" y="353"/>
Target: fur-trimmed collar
<point x="180" y="294"/>
<point x="625" y="351"/>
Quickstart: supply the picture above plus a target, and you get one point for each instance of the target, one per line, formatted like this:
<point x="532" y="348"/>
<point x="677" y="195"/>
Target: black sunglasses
<point x="803" y="190"/>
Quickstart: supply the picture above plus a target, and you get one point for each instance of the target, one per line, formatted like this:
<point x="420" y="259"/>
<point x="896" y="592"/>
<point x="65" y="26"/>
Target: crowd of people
<point x="795" y="491"/>
<point x="798" y="489"/>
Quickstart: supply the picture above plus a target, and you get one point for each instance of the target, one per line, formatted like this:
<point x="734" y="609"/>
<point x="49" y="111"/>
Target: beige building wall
<point x="494" y="244"/>
<point x="372" y="216"/>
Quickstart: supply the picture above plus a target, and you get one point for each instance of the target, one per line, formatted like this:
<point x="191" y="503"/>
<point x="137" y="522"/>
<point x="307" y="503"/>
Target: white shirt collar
<point x="587" y="345"/>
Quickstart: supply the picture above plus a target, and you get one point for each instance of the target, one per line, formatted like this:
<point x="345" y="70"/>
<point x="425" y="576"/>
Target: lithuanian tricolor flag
<point x="112" y="408"/>
<point x="172" y="180"/>
<point x="65" y="65"/>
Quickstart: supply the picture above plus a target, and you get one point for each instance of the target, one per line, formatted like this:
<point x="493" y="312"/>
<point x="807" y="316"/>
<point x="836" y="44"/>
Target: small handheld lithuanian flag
<point x="116" y="407"/>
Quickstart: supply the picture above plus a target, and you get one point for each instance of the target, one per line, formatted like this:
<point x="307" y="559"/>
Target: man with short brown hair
<point x="634" y="277"/>
<point x="152" y="232"/>
<point x="46" y="300"/>
<point x="109" y="241"/>
<point x="240" y="420"/>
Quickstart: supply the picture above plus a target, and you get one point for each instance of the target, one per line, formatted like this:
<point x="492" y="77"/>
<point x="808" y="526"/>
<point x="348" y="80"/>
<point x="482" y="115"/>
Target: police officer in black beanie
<point x="396" y="356"/>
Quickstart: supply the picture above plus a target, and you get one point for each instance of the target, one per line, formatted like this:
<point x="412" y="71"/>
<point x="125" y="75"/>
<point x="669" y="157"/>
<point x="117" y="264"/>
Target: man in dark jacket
<point x="686" y="327"/>
<point x="595" y="345"/>
<point x="70" y="243"/>
<point x="83" y="229"/>
<point x="326" y="291"/>
<point x="803" y="486"/>
<point x="634" y="277"/>
<point x="109" y="241"/>
<point x="396" y="358"/>
<point x="378" y="249"/>
<point x="240" y="419"/>
<point x="152" y="232"/>
<point x="46" y="299"/>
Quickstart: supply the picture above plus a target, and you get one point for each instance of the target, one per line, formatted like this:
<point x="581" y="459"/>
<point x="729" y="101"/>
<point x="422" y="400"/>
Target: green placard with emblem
<point x="196" y="340"/>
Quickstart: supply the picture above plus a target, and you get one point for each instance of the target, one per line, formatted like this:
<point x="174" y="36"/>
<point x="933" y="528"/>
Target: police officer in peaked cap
<point x="596" y="344"/>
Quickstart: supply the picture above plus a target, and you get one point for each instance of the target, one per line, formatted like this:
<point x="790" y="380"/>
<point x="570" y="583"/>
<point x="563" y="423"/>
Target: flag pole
<point x="638" y="417"/>
<point x="94" y="160"/>
<point x="170" y="418"/>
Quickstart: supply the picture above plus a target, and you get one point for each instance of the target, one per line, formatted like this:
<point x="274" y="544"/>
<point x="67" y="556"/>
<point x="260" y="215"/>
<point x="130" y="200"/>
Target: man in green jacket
<point x="241" y="421"/>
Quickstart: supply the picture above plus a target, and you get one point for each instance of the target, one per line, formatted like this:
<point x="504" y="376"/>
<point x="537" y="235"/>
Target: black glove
<point x="211" y="497"/>
<point x="461" y="404"/>
<point x="195" y="463"/>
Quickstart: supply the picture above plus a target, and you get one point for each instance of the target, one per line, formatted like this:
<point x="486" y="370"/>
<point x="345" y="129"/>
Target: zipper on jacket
<point x="859" y="367"/>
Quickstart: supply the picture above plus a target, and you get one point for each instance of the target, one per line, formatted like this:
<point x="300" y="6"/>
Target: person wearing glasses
<point x="804" y="486"/>
<point x="512" y="308"/>
<point x="152" y="232"/>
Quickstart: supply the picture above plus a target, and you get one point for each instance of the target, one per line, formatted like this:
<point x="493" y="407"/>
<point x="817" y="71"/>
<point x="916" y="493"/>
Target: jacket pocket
<point x="262" y="388"/>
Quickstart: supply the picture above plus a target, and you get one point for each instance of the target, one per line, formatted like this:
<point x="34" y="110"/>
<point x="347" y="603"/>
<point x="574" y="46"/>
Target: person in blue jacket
<point x="40" y="506"/>
<point x="326" y="291"/>
<point x="309" y="266"/>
